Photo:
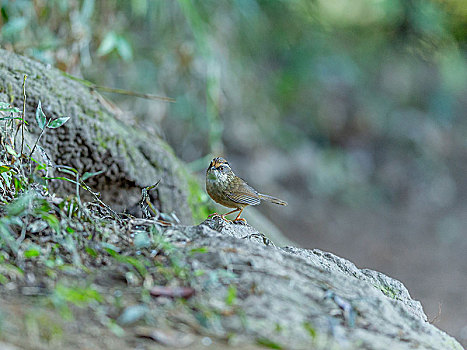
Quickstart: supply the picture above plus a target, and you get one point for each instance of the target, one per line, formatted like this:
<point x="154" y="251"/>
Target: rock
<point x="95" y="138"/>
<point x="299" y="298"/>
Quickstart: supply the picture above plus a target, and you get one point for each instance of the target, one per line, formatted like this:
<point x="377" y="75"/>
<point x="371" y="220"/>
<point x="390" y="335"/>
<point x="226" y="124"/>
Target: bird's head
<point x="218" y="169"/>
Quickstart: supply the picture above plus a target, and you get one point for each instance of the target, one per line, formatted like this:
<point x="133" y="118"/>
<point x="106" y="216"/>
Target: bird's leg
<point x="224" y="215"/>
<point x="230" y="212"/>
<point x="238" y="216"/>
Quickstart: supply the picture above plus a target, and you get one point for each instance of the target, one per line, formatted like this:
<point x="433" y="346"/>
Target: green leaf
<point x="87" y="175"/>
<point x="91" y="252"/>
<point x="56" y="123"/>
<point x="138" y="265"/>
<point x="10" y="150"/>
<point x="32" y="253"/>
<point x="113" y="41"/>
<point x="201" y="250"/>
<point x="11" y="118"/>
<point x="124" y="49"/>
<point x="110" y="248"/>
<point x="108" y="44"/>
<point x="268" y="343"/>
<point x="4" y="168"/>
<point x="231" y="295"/>
<point x="67" y="170"/>
<point x="60" y="178"/>
<point x="129" y="260"/>
<point x="19" y="183"/>
<point x="41" y="119"/>
<point x="53" y="222"/>
<point x="5" y="107"/>
<point x="310" y="329"/>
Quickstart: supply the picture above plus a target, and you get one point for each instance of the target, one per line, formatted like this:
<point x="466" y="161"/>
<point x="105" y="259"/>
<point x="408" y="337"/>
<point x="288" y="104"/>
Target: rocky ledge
<point x="297" y="298"/>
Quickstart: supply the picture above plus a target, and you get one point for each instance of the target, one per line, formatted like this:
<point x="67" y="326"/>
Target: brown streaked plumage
<point x="227" y="189"/>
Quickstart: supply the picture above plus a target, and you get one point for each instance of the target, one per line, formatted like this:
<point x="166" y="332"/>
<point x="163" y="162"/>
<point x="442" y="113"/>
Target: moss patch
<point x="198" y="200"/>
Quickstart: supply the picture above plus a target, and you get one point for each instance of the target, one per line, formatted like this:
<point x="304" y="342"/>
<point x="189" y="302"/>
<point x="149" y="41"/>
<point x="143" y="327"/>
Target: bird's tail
<point x="272" y="199"/>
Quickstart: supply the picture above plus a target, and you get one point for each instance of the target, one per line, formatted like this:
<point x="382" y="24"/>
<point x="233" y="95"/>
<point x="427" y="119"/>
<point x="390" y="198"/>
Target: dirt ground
<point x="27" y="324"/>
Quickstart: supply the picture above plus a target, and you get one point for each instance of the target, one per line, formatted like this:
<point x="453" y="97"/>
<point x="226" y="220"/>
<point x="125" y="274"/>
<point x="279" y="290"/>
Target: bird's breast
<point x="217" y="184"/>
<point x="217" y="179"/>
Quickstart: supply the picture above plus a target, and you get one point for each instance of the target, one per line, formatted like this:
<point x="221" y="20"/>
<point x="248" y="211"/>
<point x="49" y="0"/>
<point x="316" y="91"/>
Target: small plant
<point x="231" y="295"/>
<point x="63" y="297"/>
<point x="44" y="123"/>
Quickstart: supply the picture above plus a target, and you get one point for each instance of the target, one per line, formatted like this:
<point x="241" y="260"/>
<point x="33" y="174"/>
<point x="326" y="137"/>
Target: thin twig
<point x="154" y="210"/>
<point x="24" y="114"/>
<point x="96" y="197"/>
<point x="434" y="319"/>
<point x="37" y="140"/>
<point x="119" y="91"/>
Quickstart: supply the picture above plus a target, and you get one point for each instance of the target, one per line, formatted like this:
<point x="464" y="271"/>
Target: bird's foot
<point x="216" y="214"/>
<point x="240" y="220"/>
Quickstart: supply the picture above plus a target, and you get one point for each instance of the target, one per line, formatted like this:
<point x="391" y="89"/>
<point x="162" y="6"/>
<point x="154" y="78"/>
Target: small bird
<point x="226" y="188"/>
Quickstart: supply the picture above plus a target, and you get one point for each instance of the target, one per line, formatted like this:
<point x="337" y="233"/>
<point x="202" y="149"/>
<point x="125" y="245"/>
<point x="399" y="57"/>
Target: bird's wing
<point x="245" y="195"/>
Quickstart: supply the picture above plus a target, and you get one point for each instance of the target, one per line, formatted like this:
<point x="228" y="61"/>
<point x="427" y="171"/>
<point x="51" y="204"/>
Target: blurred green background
<point x="354" y="111"/>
